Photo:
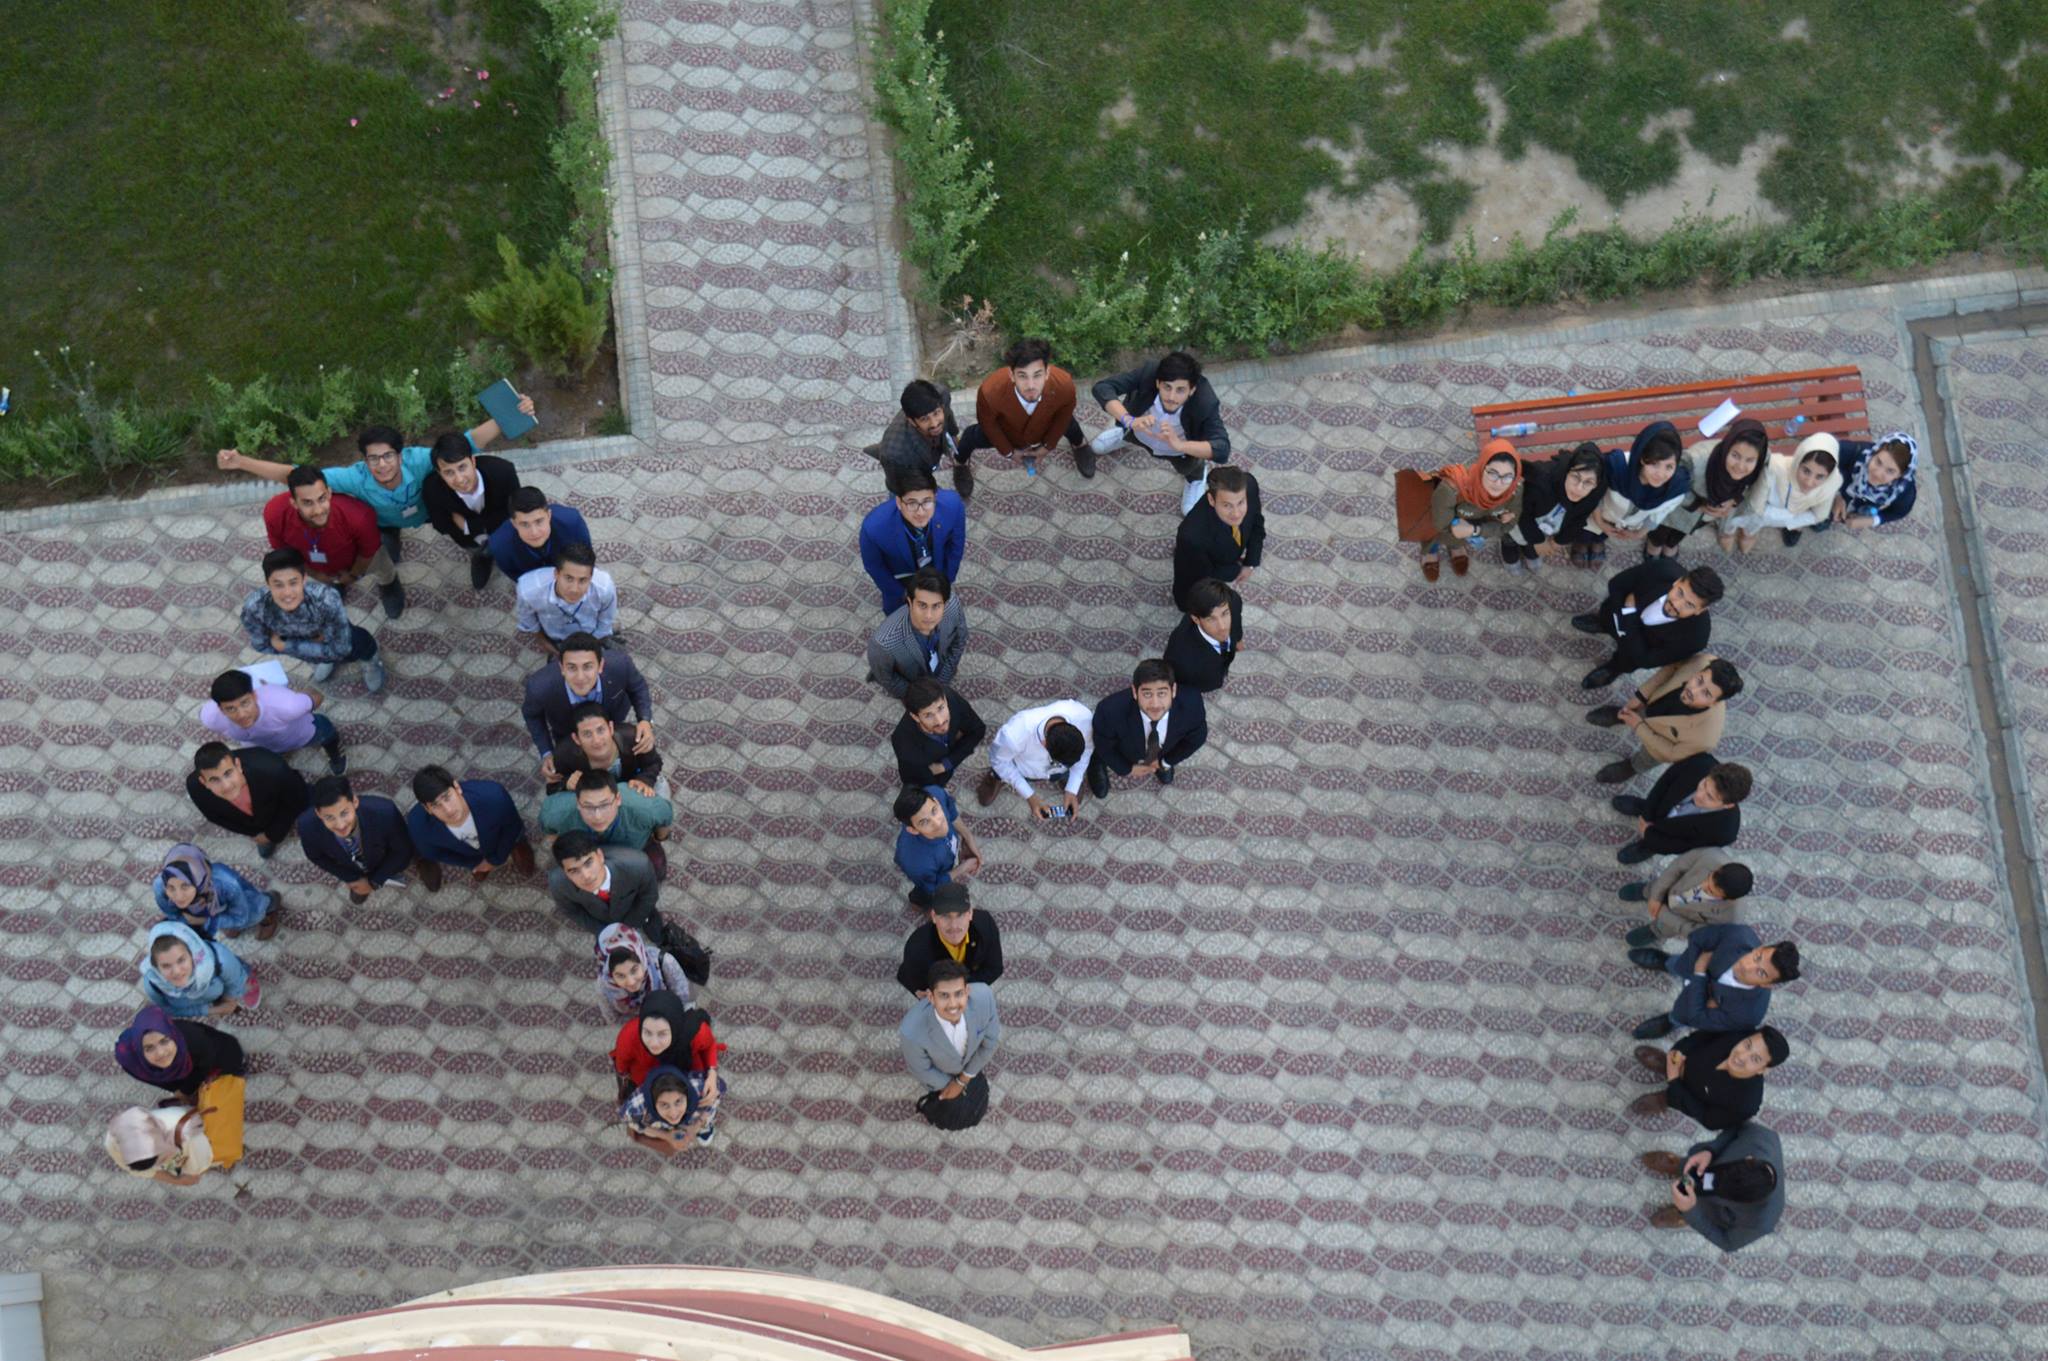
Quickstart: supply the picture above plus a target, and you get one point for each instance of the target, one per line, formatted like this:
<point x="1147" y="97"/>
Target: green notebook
<point x="503" y="405"/>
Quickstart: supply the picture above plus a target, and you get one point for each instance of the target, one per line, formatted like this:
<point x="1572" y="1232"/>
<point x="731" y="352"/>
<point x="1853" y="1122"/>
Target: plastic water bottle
<point x="1516" y="431"/>
<point x="4" y="403"/>
<point x="1478" y="540"/>
<point x="1792" y="426"/>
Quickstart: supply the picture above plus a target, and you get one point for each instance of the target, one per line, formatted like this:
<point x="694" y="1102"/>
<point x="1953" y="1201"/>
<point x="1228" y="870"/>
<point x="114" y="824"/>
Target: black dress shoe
<point x="393" y="597"/>
<point x="1098" y="779"/>
<point x="963" y="480"/>
<point x="1655" y="1028"/>
<point x="480" y="565"/>
<point x="1616" y="772"/>
<point x="1589" y="622"/>
<point x="1606" y="716"/>
<point x="1628" y="805"/>
<point x="1164" y="774"/>
<point x="1596" y="678"/>
<point x="1647" y="958"/>
<point x="1633" y="893"/>
<point x="1790" y="536"/>
<point x="1632" y="854"/>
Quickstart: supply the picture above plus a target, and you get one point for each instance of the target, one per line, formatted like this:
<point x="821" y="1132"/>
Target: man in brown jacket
<point x="1699" y="888"/>
<point x="1676" y="714"/>
<point x="1024" y="407"/>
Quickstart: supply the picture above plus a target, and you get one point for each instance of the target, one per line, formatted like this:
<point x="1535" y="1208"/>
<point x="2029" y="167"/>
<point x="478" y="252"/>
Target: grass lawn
<point x="188" y="194"/>
<point x="1118" y="128"/>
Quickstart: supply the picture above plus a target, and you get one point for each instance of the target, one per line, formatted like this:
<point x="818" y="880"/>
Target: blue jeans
<point x="325" y="735"/>
<point x="362" y="647"/>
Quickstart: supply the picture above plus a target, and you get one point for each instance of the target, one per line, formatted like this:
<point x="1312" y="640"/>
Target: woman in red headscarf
<point x="1467" y="498"/>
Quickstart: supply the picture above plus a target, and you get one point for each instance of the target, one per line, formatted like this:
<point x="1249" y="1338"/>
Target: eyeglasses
<point x="380" y="458"/>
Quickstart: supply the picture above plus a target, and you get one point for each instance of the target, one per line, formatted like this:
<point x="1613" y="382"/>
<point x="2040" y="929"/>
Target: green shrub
<point x="948" y="192"/>
<point x="405" y="406"/>
<point x="578" y="150"/>
<point x="97" y="437"/>
<point x="246" y="418"/>
<point x="325" y="409"/>
<point x="2020" y="223"/>
<point x="547" y="315"/>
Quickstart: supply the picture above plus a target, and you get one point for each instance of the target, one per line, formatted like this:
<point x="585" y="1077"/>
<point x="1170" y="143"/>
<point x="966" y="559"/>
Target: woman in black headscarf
<point x="1723" y="472"/>
<point x="1559" y="496"/>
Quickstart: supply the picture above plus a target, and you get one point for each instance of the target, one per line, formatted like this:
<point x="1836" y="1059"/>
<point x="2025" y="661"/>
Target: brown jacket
<point x="1686" y="874"/>
<point x="1674" y="739"/>
<point x="1002" y="419"/>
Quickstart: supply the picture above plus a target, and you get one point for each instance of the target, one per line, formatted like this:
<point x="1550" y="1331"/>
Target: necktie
<point x="1236" y="537"/>
<point x="1151" y="743"/>
<point x="604" y="895"/>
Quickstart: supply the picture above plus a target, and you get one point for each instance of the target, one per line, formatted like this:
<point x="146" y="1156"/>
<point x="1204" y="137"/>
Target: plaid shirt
<point x="317" y="631"/>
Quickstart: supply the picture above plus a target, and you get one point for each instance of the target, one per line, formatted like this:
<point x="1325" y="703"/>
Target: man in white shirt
<point x="1052" y="741"/>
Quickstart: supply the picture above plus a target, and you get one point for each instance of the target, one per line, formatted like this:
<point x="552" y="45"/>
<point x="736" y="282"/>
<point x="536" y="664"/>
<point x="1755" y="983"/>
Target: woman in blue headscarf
<point x="188" y="975"/>
<point x="1645" y="483"/>
<point x="1880" y="482"/>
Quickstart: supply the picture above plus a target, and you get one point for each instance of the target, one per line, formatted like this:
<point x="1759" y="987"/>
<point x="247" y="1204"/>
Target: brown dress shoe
<point x="522" y="856"/>
<point x="1652" y="1058"/>
<point x="1667" y="1217"/>
<point x="271" y="919"/>
<point x="430" y="874"/>
<point x="1649" y="1103"/>
<point x="1432" y="568"/>
<point x="1461" y="563"/>
<point x="1661" y="1164"/>
<point x="985" y="788"/>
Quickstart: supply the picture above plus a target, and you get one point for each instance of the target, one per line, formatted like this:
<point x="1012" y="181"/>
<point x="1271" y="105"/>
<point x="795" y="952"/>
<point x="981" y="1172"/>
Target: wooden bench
<point x="1831" y="400"/>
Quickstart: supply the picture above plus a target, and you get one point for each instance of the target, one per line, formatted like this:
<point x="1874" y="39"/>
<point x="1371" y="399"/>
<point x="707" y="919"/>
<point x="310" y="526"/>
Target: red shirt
<point x="632" y="1061"/>
<point x="349" y="537"/>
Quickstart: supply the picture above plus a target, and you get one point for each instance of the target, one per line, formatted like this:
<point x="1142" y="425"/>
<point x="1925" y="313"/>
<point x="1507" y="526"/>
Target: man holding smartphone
<point x="1730" y="1191"/>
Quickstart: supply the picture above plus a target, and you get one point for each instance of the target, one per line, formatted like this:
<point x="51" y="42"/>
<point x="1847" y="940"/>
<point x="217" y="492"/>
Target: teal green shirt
<point x="397" y="507"/>
<point x="634" y="826"/>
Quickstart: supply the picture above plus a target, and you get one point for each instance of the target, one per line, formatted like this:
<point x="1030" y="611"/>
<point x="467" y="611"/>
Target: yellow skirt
<point x="220" y="1113"/>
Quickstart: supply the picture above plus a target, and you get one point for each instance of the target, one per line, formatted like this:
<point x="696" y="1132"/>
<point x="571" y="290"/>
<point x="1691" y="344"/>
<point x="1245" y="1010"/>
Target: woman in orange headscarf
<point x="1467" y="497"/>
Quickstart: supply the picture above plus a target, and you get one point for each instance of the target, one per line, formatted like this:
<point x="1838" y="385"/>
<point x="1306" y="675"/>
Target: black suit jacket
<point x="1196" y="665"/>
<point x="277" y="795"/>
<point x="1203" y="547"/>
<point x="546" y="705"/>
<point x="1673" y="836"/>
<point x="387" y="846"/>
<point x="1637" y="647"/>
<point x="984" y="953"/>
<point x="1201" y="418"/>
<point x="915" y="751"/>
<point x="1120" y="728"/>
<point x="500" y="479"/>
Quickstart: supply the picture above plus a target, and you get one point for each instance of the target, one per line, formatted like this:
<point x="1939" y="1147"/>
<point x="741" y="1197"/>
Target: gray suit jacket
<point x="1725" y="1224"/>
<point x="635" y="893"/>
<point x="931" y="1057"/>
<point x="896" y="657"/>
<point x="1684" y="875"/>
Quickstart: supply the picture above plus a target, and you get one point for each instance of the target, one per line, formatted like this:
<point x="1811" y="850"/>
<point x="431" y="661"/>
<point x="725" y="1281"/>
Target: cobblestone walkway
<point x="1322" y="1056"/>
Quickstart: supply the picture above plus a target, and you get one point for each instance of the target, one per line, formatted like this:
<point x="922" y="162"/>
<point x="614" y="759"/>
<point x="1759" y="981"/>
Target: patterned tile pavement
<point x="1999" y="396"/>
<point x="1322" y="1056"/>
<point x="758" y="226"/>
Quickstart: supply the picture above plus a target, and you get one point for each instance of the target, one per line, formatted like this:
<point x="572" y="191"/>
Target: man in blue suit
<point x="1725" y="975"/>
<point x="471" y="824"/>
<point x="360" y="841"/>
<point x="1148" y="729"/>
<point x="920" y="526"/>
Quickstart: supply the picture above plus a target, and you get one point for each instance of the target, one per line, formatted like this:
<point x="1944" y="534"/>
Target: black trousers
<point x="971" y="438"/>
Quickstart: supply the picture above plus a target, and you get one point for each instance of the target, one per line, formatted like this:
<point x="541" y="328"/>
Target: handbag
<point x="220" y="1103"/>
<point x="964" y="1111"/>
<point x="692" y="954"/>
<point x="1414" y="520"/>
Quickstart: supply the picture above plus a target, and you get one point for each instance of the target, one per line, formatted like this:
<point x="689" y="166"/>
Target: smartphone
<point x="1055" y="810"/>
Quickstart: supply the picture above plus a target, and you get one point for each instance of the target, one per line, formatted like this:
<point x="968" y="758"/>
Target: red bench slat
<point x="1832" y="400"/>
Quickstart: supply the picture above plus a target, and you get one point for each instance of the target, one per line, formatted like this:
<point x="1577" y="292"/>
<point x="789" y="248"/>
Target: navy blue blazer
<point x="1120" y="729"/>
<point x="1734" y="1008"/>
<point x="886" y="552"/>
<point x="498" y="827"/>
<point x="386" y="852"/>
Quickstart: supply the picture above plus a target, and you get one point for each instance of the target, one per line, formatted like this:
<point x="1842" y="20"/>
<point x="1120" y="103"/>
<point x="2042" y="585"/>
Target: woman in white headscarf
<point x="1796" y="492"/>
<point x="167" y="1144"/>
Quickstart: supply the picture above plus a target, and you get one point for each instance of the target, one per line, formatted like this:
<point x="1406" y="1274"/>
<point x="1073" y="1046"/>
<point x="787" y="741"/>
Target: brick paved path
<point x="1322" y="1056"/>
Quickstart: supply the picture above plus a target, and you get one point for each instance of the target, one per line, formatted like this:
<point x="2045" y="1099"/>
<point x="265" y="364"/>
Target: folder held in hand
<point x="502" y="404"/>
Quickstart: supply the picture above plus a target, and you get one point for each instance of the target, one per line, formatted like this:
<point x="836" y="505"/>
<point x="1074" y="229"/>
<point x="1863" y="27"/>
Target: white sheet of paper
<point x="269" y="671"/>
<point x="1715" y="421"/>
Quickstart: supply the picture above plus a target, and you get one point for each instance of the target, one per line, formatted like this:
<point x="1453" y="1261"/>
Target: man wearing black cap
<point x="923" y="433"/>
<point x="955" y="931"/>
